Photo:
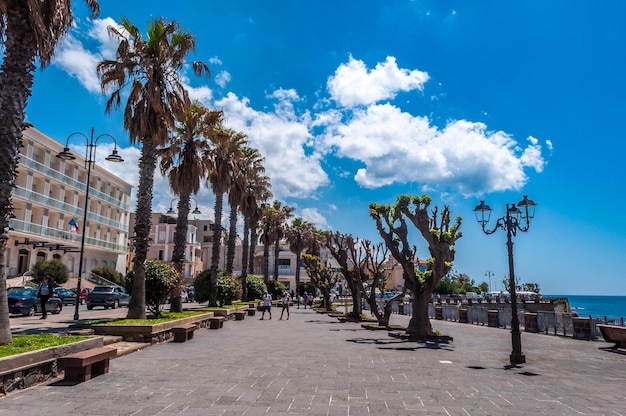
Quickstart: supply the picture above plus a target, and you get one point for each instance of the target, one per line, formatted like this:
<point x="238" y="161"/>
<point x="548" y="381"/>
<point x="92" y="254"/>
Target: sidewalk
<point x="312" y="364"/>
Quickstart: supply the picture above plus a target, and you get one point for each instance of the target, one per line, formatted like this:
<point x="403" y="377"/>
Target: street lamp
<point x="90" y="155"/>
<point x="515" y="219"/>
<point x="488" y="274"/>
<point x="172" y="212"/>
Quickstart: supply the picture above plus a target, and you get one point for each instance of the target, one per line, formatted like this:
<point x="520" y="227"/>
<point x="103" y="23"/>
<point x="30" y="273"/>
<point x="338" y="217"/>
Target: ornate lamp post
<point x="172" y="212"/>
<point x="90" y="156"/>
<point x="515" y="219"/>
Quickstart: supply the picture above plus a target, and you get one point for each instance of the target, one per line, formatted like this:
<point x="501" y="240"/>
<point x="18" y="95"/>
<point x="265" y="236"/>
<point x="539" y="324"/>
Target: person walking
<point x="305" y="299"/>
<point x="285" y="302"/>
<point x="44" y="293"/>
<point x="267" y="304"/>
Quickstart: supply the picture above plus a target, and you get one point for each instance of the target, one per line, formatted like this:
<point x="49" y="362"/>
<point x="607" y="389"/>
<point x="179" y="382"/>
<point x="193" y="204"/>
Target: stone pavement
<point x="312" y="364"/>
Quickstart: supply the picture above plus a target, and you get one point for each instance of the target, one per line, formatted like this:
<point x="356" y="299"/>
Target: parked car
<point x="107" y="296"/>
<point x="24" y="301"/>
<point x="83" y="294"/>
<point x="67" y="296"/>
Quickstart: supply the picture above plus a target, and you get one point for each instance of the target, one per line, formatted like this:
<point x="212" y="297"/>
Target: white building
<point x="49" y="193"/>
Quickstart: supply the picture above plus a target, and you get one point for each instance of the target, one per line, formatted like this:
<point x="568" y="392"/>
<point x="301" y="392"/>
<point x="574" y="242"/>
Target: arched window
<point x="41" y="256"/>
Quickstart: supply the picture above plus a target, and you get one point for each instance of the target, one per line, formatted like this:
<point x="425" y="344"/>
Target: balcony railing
<point x="41" y="231"/>
<point x="26" y="161"/>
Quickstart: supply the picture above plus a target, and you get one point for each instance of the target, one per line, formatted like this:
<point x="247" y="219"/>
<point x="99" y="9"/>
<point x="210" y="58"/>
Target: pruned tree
<point x="343" y="248"/>
<point x="322" y="276"/>
<point x="436" y="228"/>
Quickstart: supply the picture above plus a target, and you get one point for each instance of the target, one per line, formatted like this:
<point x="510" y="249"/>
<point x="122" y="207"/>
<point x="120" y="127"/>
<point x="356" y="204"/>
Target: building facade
<point x="49" y="203"/>
<point x="161" y="248"/>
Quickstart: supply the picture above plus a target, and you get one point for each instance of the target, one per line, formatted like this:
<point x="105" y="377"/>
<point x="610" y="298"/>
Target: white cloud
<point x="222" y="78"/>
<point x="281" y="137"/>
<point x="397" y="147"/>
<point x="353" y="84"/>
<point x="78" y="62"/>
<point x="313" y="216"/>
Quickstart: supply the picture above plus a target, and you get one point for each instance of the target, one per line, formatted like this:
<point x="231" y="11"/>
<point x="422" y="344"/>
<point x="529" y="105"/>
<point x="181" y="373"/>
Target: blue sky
<point x="353" y="102"/>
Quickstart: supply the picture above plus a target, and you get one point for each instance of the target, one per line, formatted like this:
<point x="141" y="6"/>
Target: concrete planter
<point x="151" y="333"/>
<point x="492" y="318"/>
<point x="463" y="316"/>
<point x="25" y="370"/>
<point x="438" y="313"/>
<point x="582" y="328"/>
<point x="530" y="322"/>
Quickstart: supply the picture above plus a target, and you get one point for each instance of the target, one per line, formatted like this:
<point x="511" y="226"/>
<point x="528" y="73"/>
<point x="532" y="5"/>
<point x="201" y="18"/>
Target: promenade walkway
<point x="312" y="364"/>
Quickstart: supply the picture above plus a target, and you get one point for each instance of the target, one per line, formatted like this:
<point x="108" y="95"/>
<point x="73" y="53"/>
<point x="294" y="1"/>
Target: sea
<point x="613" y="307"/>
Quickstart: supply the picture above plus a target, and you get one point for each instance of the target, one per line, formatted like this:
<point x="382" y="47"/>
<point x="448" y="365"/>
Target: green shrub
<point x="256" y="287"/>
<point x="307" y="287"/>
<point x="56" y="270"/>
<point x="160" y="280"/>
<point x="276" y="289"/>
<point x="228" y="289"/>
<point x="201" y="286"/>
<point x="110" y="274"/>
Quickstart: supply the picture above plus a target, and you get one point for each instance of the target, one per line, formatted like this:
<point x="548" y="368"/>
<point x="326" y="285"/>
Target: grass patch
<point x="28" y="343"/>
<point x="151" y="319"/>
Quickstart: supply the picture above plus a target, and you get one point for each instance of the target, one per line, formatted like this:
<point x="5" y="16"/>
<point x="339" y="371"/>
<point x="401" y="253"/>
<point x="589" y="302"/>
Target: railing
<point x="42" y="231"/>
<point x="548" y="322"/>
<point x="26" y="161"/>
<point x="62" y="206"/>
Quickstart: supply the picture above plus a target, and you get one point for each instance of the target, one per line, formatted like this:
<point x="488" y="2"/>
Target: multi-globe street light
<point x="172" y="212"/>
<point x="90" y="156"/>
<point x="514" y="220"/>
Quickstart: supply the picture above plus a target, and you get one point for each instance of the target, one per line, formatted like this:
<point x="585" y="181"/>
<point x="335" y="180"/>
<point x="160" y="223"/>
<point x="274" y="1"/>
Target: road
<point x="57" y="323"/>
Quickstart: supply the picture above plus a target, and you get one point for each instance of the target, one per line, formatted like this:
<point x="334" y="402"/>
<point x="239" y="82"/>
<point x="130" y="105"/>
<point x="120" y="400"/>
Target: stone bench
<point x="613" y="333"/>
<point x="216" y="322"/>
<point x="251" y="311"/>
<point x="240" y="315"/>
<point x="184" y="332"/>
<point x="84" y="365"/>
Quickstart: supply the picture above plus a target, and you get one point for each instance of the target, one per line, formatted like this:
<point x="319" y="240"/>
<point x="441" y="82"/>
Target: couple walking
<point x="267" y="304"/>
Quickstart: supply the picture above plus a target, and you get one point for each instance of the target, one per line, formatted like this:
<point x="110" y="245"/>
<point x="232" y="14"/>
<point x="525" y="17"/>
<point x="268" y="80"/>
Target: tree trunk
<point x="232" y="237"/>
<point x="16" y="82"/>
<point x="253" y="242"/>
<point x="178" y="255"/>
<point x="298" y="257"/>
<point x="266" y="263"/>
<point x="215" y="253"/>
<point x="276" y="254"/>
<point x="143" y="224"/>
<point x="420" y="322"/>
<point x="244" y="259"/>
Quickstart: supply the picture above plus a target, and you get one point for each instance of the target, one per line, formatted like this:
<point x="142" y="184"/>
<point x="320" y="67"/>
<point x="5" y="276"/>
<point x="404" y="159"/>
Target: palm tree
<point x="266" y="219"/>
<point x="226" y="150"/>
<point x="185" y="163"/>
<point x="29" y="32"/>
<point x="297" y="235"/>
<point x="250" y="163"/>
<point x="281" y="215"/>
<point x="150" y="67"/>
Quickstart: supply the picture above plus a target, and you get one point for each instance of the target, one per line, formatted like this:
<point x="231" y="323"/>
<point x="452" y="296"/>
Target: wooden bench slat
<point x="84" y="365"/>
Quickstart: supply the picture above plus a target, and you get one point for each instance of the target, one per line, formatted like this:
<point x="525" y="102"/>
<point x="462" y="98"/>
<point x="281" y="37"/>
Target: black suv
<point x="107" y="296"/>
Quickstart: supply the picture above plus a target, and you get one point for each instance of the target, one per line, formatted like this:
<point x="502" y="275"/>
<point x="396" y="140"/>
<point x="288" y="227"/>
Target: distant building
<point x="162" y="244"/>
<point x="49" y="194"/>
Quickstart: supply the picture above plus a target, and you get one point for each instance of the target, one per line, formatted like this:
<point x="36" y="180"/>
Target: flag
<point x="74" y="225"/>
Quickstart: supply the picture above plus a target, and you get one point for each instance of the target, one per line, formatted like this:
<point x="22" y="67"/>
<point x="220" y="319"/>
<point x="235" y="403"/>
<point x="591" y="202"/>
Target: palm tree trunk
<point x="244" y="259"/>
<point x="232" y="237"/>
<point x="16" y="81"/>
<point x="298" y="255"/>
<point x="253" y="241"/>
<point x="276" y="254"/>
<point x="143" y="224"/>
<point x="266" y="263"/>
<point x="215" y="250"/>
<point x="178" y="255"/>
